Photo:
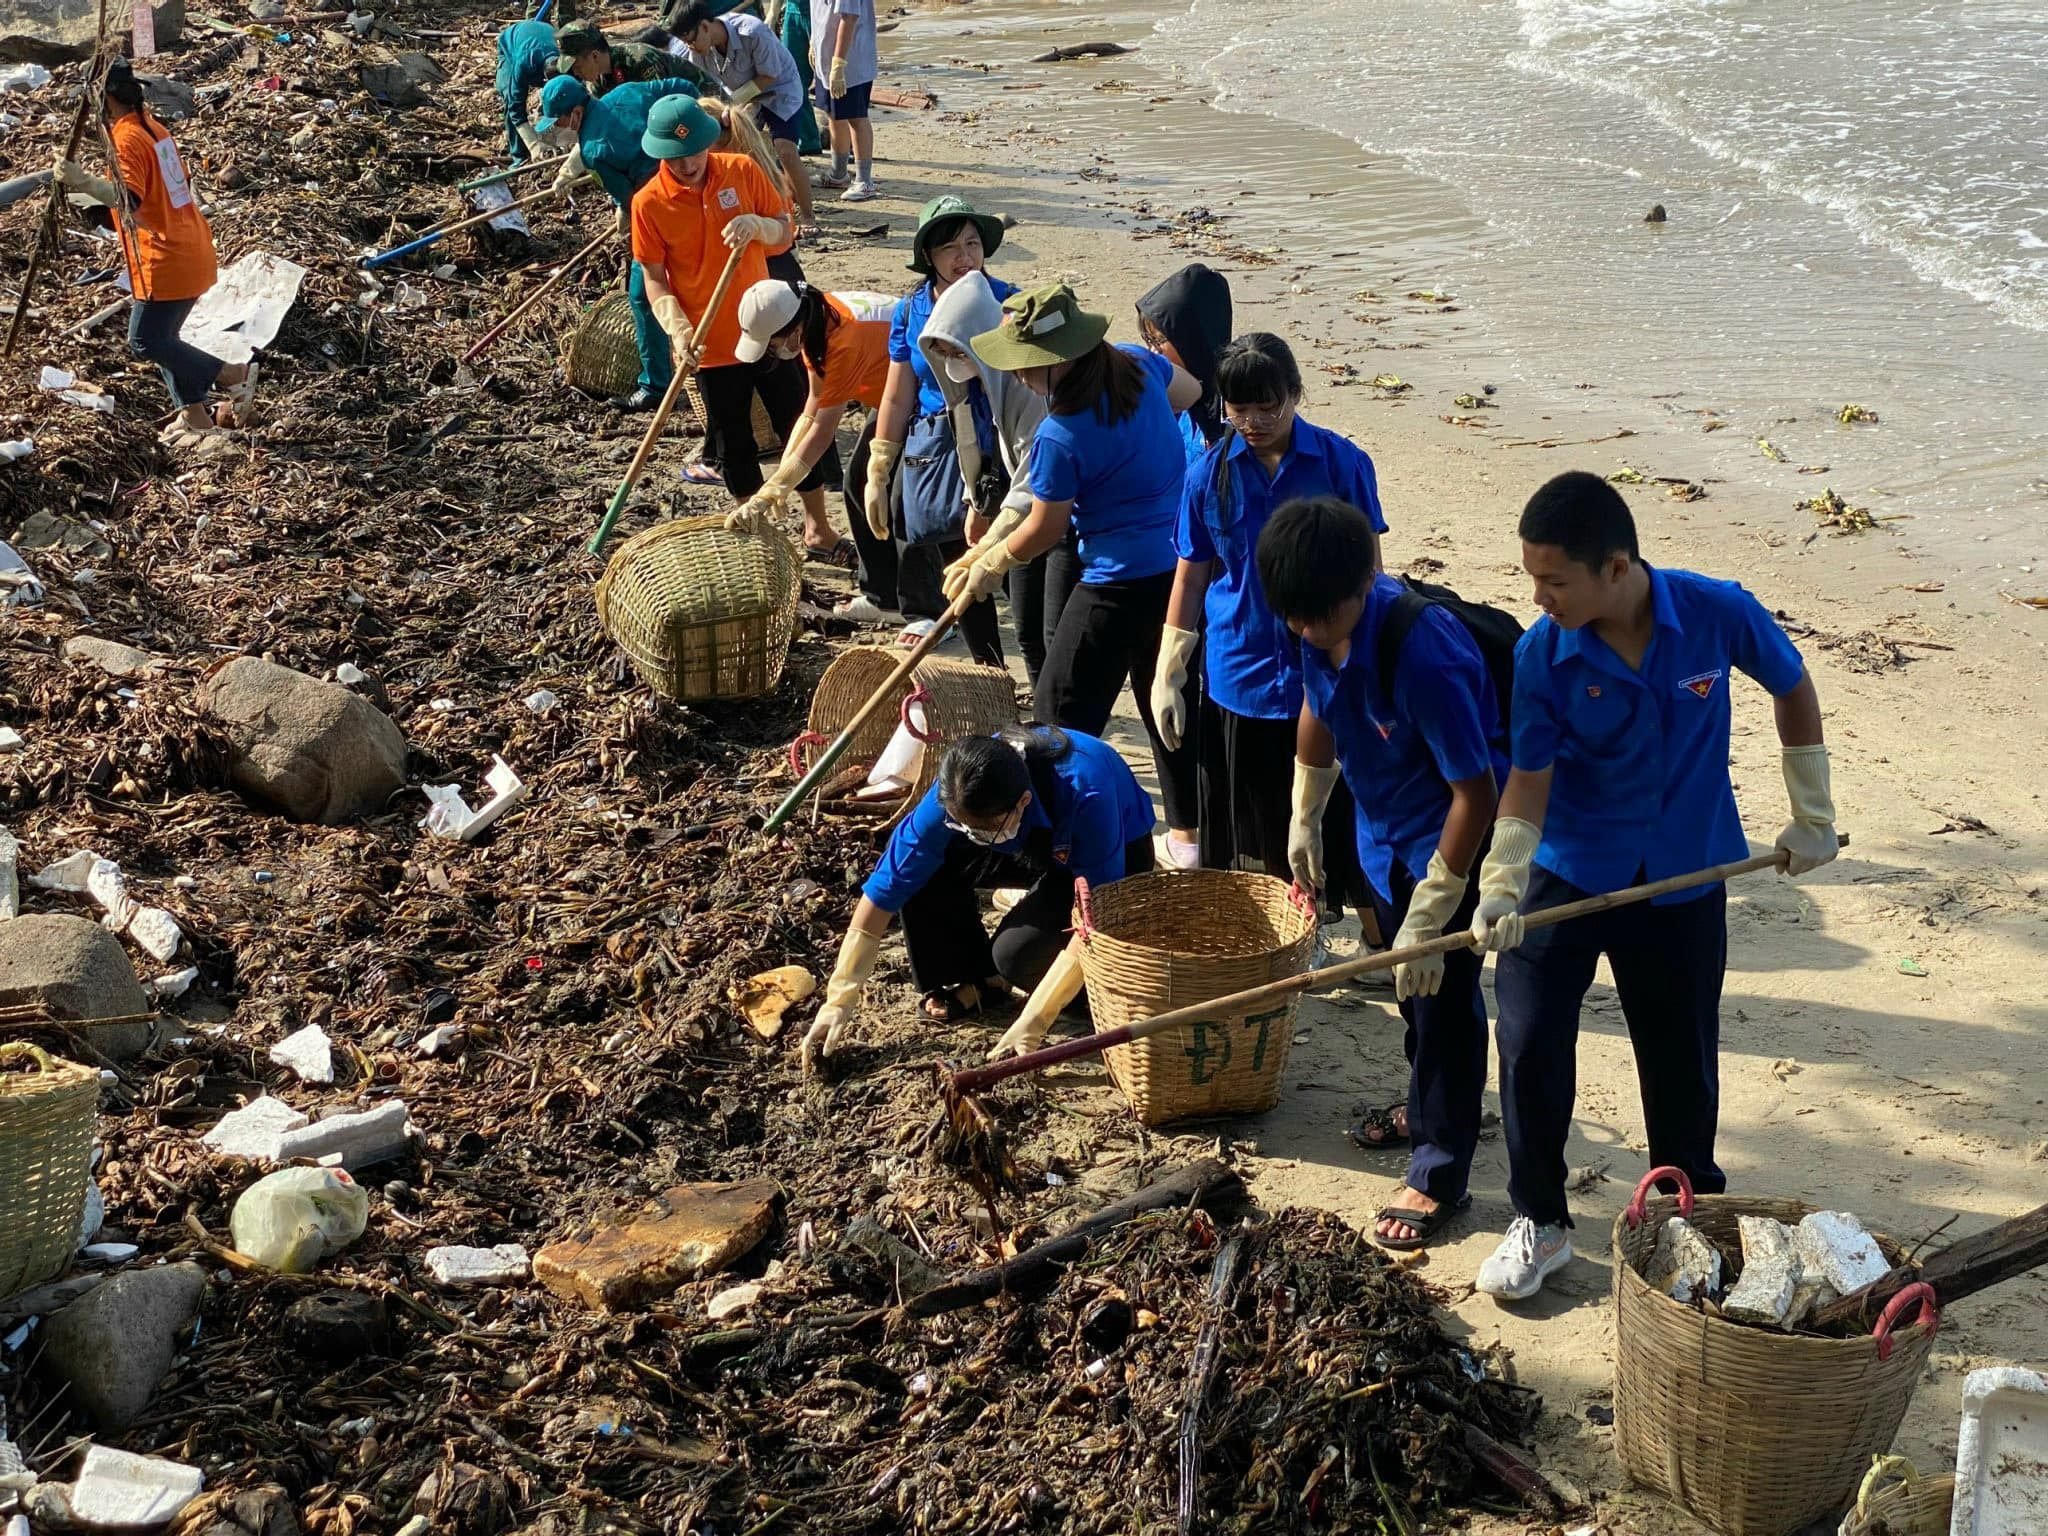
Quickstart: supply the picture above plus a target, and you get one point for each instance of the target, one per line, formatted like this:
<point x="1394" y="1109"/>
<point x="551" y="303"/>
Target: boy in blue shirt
<point x="1620" y="775"/>
<point x="1423" y="765"/>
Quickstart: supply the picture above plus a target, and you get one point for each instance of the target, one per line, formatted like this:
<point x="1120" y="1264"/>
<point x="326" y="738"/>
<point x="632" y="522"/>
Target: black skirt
<point x="1247" y="799"/>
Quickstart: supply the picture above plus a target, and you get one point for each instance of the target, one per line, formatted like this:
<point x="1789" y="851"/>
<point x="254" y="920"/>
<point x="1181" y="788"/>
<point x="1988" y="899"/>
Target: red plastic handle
<point x="1304" y="902"/>
<point x="1930" y="1315"/>
<point x="796" y="752"/>
<point x="1086" y="927"/>
<point x="1638" y="1206"/>
<point x="918" y="695"/>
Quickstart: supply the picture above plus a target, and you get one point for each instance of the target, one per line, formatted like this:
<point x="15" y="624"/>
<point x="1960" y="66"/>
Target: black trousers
<point x="1109" y="633"/>
<point x="1062" y="575"/>
<point x="153" y="326"/>
<point x="729" y="441"/>
<point x="1445" y="1042"/>
<point x="943" y="932"/>
<point x="1247" y="799"/>
<point x="1027" y="614"/>
<point x="1667" y="963"/>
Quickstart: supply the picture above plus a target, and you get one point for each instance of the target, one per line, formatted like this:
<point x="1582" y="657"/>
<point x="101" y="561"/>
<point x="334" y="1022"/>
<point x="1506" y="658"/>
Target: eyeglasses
<point x="988" y="837"/>
<point x="1256" y="420"/>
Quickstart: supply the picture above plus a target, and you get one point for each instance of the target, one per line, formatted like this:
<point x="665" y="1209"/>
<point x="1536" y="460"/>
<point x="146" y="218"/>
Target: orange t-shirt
<point x="677" y="229"/>
<point x="175" y="259"/>
<point x="856" y="359"/>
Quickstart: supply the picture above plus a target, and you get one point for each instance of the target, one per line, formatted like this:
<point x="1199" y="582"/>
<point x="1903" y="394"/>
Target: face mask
<point x="962" y="370"/>
<point x="985" y="837"/>
<point x="787" y="354"/>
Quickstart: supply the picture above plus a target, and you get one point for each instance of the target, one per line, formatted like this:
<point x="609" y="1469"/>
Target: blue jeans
<point x="153" y="326"/>
<point x="657" y="362"/>
<point x="1667" y="963"/>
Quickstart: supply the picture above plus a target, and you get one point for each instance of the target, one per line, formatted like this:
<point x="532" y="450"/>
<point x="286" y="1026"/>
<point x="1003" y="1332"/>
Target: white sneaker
<point x="861" y="191"/>
<point x="862" y="609"/>
<point x="1527" y="1256"/>
<point x="1180" y="855"/>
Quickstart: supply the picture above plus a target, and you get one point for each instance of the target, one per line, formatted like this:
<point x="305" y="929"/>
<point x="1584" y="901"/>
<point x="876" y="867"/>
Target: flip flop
<point x="810" y="231"/>
<point x="697" y="472"/>
<point x="1377" y="1131"/>
<point x="843" y="555"/>
<point x="1427" y="1224"/>
<point x="915" y="631"/>
<point x="243" y="396"/>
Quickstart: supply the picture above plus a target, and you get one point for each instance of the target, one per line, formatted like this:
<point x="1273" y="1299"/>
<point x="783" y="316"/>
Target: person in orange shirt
<point x="170" y="258"/>
<point x="687" y="220"/>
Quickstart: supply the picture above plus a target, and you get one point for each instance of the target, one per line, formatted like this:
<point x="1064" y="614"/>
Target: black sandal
<point x="949" y="1005"/>
<point x="844" y="555"/>
<point x="1376" y="1130"/>
<point x="1425" y="1224"/>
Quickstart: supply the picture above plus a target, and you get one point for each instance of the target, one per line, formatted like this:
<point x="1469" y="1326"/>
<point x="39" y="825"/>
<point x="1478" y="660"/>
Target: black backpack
<point x="1494" y="632"/>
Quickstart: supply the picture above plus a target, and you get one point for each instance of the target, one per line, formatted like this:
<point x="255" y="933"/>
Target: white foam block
<point x="115" y="1488"/>
<point x="256" y="1130"/>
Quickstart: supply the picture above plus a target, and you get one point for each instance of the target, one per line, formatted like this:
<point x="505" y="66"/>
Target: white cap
<point x="766" y="308"/>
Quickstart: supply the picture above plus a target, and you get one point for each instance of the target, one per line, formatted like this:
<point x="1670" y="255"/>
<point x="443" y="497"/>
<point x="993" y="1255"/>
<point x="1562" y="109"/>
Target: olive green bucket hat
<point x="1040" y="328"/>
<point x="933" y="219"/>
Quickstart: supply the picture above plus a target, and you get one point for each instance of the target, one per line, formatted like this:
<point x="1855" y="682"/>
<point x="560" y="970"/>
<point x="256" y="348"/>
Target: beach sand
<point x="1883" y="1018"/>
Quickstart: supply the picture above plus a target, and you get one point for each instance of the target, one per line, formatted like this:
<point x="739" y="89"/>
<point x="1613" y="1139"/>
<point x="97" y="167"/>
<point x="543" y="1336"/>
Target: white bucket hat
<point x="765" y="309"/>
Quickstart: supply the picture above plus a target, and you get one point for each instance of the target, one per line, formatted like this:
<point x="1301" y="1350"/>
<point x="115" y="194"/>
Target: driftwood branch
<point x="1961" y="1269"/>
<point x="1082" y="51"/>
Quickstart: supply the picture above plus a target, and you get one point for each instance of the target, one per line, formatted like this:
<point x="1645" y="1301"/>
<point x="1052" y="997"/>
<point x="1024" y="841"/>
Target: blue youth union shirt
<point x="1400" y="756"/>
<point x="908" y="323"/>
<point x="1641" y="758"/>
<point x="1250" y="659"/>
<point x="1097" y="808"/>
<point x="1124" y="480"/>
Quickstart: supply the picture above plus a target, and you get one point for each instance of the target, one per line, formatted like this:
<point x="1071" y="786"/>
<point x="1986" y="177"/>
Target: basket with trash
<point x="1895" y="1500"/>
<point x="702" y="613"/>
<point x="46" y="1112"/>
<point x="1722" y="1403"/>
<point x="894" y="756"/>
<point x="1155" y="942"/>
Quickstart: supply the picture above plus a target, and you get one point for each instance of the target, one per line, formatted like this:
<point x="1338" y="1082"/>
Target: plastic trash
<point x="175" y="983"/>
<point x="11" y="740"/>
<point x="55" y="378"/>
<point x="10" y="887"/>
<point x="897" y="766"/>
<point x="292" y="1219"/>
<point x="16" y="448"/>
<point x="355" y="1141"/>
<point x="156" y="931"/>
<point x="1834" y="1247"/>
<point x="307" y="1052"/>
<point x="91" y="400"/>
<point x="348" y="674"/>
<point x="1686" y="1265"/>
<point x="1770" y="1274"/>
<point x="541" y="701"/>
<point x="256" y="1130"/>
<point x="118" y="1488"/>
<point x="24" y="77"/>
<point x="18" y="584"/>
<point x="68" y="874"/>
<point x="506" y="1264"/>
<point x="452" y="816"/>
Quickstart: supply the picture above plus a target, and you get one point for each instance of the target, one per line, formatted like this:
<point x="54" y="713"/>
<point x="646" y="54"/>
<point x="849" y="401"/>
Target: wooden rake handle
<point x="974" y="1079"/>
<point x="561" y="274"/>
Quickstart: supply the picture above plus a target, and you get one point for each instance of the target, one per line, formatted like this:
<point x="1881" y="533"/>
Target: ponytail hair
<point x="815" y="323"/>
<point x="986" y="775"/>
<point x="122" y="87"/>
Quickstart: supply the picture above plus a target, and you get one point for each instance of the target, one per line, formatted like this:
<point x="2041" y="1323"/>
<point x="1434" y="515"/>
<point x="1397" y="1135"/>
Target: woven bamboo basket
<point x="702" y="613"/>
<point x="1160" y="941"/>
<point x="960" y="698"/>
<point x="767" y="441"/>
<point x="1751" y="1431"/>
<point x="45" y="1158"/>
<point x="603" y="357"/>
<point x="1895" y="1500"/>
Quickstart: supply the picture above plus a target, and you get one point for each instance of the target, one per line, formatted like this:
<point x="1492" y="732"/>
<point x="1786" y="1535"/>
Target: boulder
<point x="113" y="1346"/>
<point x="315" y="750"/>
<point x="111" y="656"/>
<point x="399" y="80"/>
<point x="53" y="32"/>
<point x="77" y="970"/>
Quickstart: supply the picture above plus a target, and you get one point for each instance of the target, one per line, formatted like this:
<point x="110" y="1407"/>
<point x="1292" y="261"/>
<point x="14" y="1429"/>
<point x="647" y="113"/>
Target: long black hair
<point x="986" y="775"/>
<point x="122" y="86"/>
<point x="814" y="324"/>
<point x="1105" y="380"/>
<point x="1251" y="370"/>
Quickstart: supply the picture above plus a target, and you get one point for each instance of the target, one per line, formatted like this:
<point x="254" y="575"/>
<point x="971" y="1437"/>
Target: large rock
<point x="113" y="1346"/>
<point x="111" y="656"/>
<point x="314" y="749"/>
<point x="77" y="970"/>
<point x="688" y="1231"/>
<point x="53" y="32"/>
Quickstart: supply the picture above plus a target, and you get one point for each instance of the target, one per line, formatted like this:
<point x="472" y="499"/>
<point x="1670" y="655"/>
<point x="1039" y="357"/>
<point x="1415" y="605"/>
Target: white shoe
<point x="861" y="191"/>
<point x="1180" y="855"/>
<point x="1006" y="898"/>
<point x="862" y="609"/>
<point x="1526" y="1257"/>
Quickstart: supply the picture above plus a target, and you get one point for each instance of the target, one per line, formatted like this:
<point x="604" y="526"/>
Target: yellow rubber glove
<point x="573" y="170"/>
<point x="857" y="955"/>
<point x="73" y="177"/>
<point x="775" y="493"/>
<point x="1503" y="882"/>
<point x="985" y="576"/>
<point x="882" y="457"/>
<point x="1169" y="683"/>
<point x="1808" y="840"/>
<point x="1313" y="787"/>
<point x="746" y="93"/>
<point x="1436" y="898"/>
<point x="1060" y="985"/>
<point x="750" y="229"/>
<point x="835" y="79"/>
<point x="668" y="314"/>
<point x="531" y="141"/>
<point x="953" y="579"/>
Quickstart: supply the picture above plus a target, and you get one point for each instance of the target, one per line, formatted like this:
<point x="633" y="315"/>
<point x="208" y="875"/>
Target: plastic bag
<point x="292" y="1219"/>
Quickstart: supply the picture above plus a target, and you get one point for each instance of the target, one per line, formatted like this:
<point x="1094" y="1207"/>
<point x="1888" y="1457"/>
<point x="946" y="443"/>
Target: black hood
<point x="1191" y="309"/>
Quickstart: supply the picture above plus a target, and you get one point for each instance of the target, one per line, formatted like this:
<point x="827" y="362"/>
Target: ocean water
<point x="1857" y="197"/>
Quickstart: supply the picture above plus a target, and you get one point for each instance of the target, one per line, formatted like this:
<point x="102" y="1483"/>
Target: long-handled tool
<point x="520" y="169"/>
<point x="969" y="1119"/>
<point x="46" y="232"/>
<point x="836" y="749"/>
<point x="483" y="343"/>
<point x="668" y="404"/>
<point x="380" y="258"/>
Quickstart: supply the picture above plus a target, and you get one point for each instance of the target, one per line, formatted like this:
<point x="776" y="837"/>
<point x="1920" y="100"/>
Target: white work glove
<point x="857" y="954"/>
<point x="1060" y="985"/>
<point x="73" y="177"/>
<point x="533" y="142"/>
<point x="1169" y="680"/>
<point x="1436" y="898"/>
<point x="1312" y="789"/>
<point x="775" y="493"/>
<point x="953" y="579"/>
<point x="1503" y="882"/>
<point x="835" y="78"/>
<point x="882" y="457"/>
<point x="748" y="517"/>
<point x="668" y="314"/>
<point x="573" y="170"/>
<point x="746" y="93"/>
<point x="1808" y="840"/>
<point x="750" y="228"/>
<point x="985" y="576"/>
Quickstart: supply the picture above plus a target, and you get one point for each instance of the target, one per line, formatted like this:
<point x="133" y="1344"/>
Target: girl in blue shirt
<point x="1107" y="461"/>
<point x="1251" y="665"/>
<point x="1030" y="806"/>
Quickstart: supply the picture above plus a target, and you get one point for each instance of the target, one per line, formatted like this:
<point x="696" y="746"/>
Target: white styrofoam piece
<point x="357" y="1139"/>
<point x="307" y="1052"/>
<point x="506" y="1264"/>
<point x="2002" y="1455"/>
<point x="55" y="378"/>
<point x="439" y="1038"/>
<point x="156" y="931"/>
<point x="11" y="740"/>
<point x="10" y="887"/>
<point x="1685" y="1264"/>
<point x="256" y="1130"/>
<point x="175" y="983"/>
<point x="452" y="816"/>
<point x="67" y="874"/>
<point x="116" y="1488"/>
<point x="105" y="883"/>
<point x="1833" y="1246"/>
<point x="1770" y="1274"/>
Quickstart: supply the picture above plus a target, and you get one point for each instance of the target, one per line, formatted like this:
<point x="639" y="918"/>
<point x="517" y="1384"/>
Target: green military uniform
<point x="641" y="61"/>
